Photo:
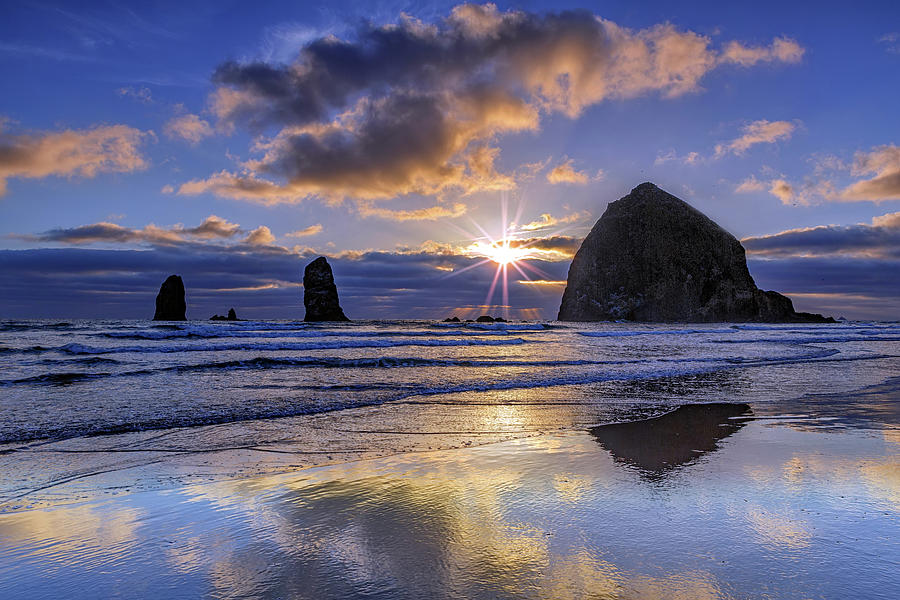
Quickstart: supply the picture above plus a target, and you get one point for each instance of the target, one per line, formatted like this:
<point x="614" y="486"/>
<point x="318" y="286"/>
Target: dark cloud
<point x="264" y="282"/>
<point x="211" y="228"/>
<point x="881" y="238"/>
<point x="837" y="285"/>
<point x="259" y="281"/>
<point x="407" y="108"/>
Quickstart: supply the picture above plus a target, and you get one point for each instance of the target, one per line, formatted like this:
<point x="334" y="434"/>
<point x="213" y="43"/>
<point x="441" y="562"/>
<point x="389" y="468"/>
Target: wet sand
<point x="792" y="499"/>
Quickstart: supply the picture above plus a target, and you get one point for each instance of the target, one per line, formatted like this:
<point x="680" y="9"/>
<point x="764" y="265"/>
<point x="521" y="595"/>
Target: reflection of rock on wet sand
<point x="658" y="444"/>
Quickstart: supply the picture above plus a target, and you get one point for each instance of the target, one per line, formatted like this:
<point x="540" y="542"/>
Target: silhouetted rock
<point x="653" y="257"/>
<point x="170" y="305"/>
<point x="232" y="316"/>
<point x="451" y="320"/>
<point x="484" y="319"/>
<point x="320" y="295"/>
<point x="499" y="320"/>
<point x="659" y="444"/>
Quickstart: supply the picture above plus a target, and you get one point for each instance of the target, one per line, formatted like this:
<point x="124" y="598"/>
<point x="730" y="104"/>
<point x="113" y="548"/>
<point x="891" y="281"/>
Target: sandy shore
<point x="788" y="500"/>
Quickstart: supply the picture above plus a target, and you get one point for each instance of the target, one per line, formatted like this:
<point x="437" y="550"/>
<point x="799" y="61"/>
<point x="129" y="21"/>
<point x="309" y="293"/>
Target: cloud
<point x="212" y="227"/>
<point x="83" y="153"/>
<point x="307" y="231"/>
<point x="890" y="42"/>
<point x="782" y="190"/>
<point x="757" y="132"/>
<point x="546" y="220"/>
<point x="782" y="49"/>
<point x="884" y="163"/>
<point x="432" y="213"/>
<point x="566" y="173"/>
<point x="557" y="247"/>
<point x="838" y="285"/>
<point x="416" y="107"/>
<point x="239" y="187"/>
<point x="878" y="239"/>
<point x="141" y="94"/>
<point x="881" y="164"/>
<point x="750" y="184"/>
<point x="259" y="281"/>
<point x="189" y="127"/>
<point x="691" y="158"/>
<point x="261" y="236"/>
<point x="264" y="282"/>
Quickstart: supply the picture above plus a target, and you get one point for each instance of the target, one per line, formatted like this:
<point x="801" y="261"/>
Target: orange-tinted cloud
<point x="546" y="220"/>
<point x="566" y="173"/>
<point x="430" y="213"/>
<point x="417" y="108"/>
<point x="82" y="153"/>
<point x="306" y="231"/>
<point x="188" y="127"/>
<point x="757" y="132"/>
<point x="882" y="162"/>
<point x="782" y="49"/>
<point x="212" y="227"/>
<point x="261" y="236"/>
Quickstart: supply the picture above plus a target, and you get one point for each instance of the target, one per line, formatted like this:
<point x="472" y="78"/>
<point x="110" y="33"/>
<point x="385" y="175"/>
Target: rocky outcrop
<point x="170" y="305"/>
<point x="232" y="316"/>
<point x="320" y="295"/>
<point x="653" y="257"/>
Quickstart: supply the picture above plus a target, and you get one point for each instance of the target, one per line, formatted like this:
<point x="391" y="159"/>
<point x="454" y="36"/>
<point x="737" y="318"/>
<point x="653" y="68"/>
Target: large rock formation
<point x="320" y="294"/>
<point x="170" y="305"/>
<point x="653" y="257"/>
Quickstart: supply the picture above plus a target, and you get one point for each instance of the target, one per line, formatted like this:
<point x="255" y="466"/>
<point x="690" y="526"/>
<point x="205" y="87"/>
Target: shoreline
<point x="133" y="462"/>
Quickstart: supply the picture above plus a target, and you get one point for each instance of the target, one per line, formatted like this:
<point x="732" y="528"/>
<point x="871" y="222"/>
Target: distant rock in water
<point x="653" y="257"/>
<point x="453" y="319"/>
<point x="232" y="316"/>
<point x="490" y="319"/>
<point x="320" y="295"/>
<point x="170" y="305"/>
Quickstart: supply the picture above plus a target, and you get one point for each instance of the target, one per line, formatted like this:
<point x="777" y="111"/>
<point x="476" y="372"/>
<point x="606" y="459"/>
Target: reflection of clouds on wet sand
<point x="778" y="530"/>
<point x="553" y="516"/>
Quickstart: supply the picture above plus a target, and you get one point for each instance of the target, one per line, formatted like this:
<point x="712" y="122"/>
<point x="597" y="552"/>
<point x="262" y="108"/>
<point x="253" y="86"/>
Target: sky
<point x="232" y="143"/>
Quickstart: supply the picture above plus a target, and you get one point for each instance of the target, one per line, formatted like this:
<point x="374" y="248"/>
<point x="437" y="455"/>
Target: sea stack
<point x="170" y="305"/>
<point x="653" y="257"/>
<point x="320" y="295"/>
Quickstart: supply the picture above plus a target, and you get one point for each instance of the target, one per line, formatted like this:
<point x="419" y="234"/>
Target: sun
<point x="503" y="252"/>
<point x="510" y="254"/>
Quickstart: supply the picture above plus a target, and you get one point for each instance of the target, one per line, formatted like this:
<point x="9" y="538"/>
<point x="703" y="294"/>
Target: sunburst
<point x="507" y="251"/>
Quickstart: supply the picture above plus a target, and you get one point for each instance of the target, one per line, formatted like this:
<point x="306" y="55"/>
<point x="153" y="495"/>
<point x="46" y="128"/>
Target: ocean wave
<point x="396" y="393"/>
<point x="811" y="340"/>
<point x="76" y="348"/>
<point x="306" y="333"/>
<point x="652" y="332"/>
<point x="390" y="362"/>
<point x="54" y="379"/>
<point x="495" y="326"/>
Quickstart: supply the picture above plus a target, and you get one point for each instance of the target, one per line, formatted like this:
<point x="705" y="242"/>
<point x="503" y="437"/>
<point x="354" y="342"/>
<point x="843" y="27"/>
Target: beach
<point x="589" y="461"/>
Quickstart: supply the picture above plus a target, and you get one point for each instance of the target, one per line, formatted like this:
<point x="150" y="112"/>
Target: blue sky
<point x="384" y="134"/>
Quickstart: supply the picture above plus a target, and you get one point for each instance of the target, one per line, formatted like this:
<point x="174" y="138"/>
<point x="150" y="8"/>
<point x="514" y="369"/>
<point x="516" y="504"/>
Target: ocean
<point x="61" y="380"/>
<point x="415" y="459"/>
